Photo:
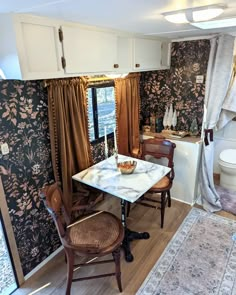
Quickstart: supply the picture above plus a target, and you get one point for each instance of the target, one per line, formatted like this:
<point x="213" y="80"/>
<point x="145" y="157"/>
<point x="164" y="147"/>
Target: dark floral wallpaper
<point x="98" y="150"/>
<point x="24" y="127"/>
<point x="178" y="85"/>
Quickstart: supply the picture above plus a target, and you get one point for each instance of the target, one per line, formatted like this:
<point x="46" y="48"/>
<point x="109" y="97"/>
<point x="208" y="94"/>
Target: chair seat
<point x="97" y="232"/>
<point x="163" y="183"/>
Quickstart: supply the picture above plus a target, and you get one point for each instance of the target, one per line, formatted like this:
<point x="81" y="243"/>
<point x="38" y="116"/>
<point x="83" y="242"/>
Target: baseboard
<point x="191" y="204"/>
<point x="43" y="263"/>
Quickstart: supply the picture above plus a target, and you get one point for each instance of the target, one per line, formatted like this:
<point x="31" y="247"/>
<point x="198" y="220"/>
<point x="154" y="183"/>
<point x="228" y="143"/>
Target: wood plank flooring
<point x="146" y="253"/>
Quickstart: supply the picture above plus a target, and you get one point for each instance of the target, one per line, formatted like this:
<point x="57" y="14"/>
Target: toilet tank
<point x="224" y="139"/>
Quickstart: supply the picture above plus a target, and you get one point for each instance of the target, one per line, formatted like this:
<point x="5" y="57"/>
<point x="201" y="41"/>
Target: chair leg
<point x="65" y="258"/>
<point x="169" y="198"/>
<point x="128" y="209"/>
<point x="163" y="206"/>
<point x="116" y="256"/>
<point x="70" y="267"/>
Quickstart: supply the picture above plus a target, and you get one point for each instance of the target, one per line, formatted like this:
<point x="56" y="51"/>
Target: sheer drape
<point x="218" y="79"/>
<point x="127" y="95"/>
<point x="228" y="111"/>
<point x="68" y="119"/>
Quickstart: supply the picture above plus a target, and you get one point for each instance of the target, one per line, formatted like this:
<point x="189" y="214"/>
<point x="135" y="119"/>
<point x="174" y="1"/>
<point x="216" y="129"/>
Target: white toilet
<point x="227" y="162"/>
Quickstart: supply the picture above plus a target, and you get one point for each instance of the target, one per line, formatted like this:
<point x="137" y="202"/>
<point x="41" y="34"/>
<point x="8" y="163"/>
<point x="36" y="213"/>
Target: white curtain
<point x="218" y="79"/>
<point x="228" y="111"/>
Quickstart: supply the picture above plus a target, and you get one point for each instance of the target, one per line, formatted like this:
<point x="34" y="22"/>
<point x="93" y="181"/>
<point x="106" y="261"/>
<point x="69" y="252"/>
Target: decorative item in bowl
<point x="127" y="167"/>
<point x="146" y="128"/>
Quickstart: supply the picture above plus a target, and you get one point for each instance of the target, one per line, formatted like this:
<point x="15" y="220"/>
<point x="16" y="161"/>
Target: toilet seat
<point x="227" y="163"/>
<point x="228" y="158"/>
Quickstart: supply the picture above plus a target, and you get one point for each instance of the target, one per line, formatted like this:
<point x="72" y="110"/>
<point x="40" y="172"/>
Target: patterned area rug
<point x="199" y="259"/>
<point x="227" y="199"/>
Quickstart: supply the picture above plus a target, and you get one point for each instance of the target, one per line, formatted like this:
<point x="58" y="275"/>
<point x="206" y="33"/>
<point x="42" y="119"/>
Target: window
<point x="101" y="110"/>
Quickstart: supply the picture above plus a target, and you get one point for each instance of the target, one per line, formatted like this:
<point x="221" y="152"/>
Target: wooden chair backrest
<point x="53" y="201"/>
<point x="159" y="148"/>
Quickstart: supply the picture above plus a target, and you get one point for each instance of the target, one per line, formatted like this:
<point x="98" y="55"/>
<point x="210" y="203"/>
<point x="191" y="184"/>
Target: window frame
<point x="93" y="87"/>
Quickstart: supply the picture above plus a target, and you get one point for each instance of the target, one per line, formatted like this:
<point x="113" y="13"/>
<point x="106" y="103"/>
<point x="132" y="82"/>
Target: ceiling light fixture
<point x="2" y="76"/>
<point x="195" y="14"/>
<point x="214" y="24"/>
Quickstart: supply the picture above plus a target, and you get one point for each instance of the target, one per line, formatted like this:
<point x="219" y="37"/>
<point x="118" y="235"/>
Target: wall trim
<point x="188" y="203"/>
<point x="203" y="37"/>
<point x="10" y="235"/>
<point x="43" y="263"/>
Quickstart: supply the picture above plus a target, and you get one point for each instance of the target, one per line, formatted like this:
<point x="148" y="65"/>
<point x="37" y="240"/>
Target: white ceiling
<point x="138" y="16"/>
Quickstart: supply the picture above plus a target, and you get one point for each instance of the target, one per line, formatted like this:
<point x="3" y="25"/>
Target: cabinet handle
<point x="116" y="66"/>
<point x="137" y="65"/>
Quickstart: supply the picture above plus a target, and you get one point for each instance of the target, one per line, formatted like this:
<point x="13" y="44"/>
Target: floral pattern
<point x="178" y="85"/>
<point x="24" y="127"/>
<point x="27" y="167"/>
<point x="200" y="259"/>
<point x="98" y="150"/>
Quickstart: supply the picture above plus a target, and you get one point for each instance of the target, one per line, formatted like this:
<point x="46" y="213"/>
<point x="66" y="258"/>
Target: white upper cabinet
<point x="88" y="51"/>
<point x="150" y="54"/>
<point x="31" y="50"/>
<point x="39" y="50"/>
<point x="124" y="54"/>
<point x="35" y="47"/>
<point x="146" y="54"/>
<point x="139" y="54"/>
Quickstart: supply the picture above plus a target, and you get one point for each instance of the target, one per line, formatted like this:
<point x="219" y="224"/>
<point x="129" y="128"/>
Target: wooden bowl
<point x="127" y="167"/>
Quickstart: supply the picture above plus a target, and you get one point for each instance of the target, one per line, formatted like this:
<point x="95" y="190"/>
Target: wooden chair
<point x="95" y="234"/>
<point x="160" y="192"/>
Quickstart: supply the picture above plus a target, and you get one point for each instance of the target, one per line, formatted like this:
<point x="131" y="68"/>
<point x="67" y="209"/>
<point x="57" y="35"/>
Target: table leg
<point x="129" y="235"/>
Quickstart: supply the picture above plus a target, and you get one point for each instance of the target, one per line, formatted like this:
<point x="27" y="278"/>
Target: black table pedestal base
<point x="129" y="237"/>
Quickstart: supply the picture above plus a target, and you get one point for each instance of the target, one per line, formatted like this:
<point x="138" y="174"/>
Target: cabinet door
<point x="87" y="51"/>
<point x="38" y="48"/>
<point x="124" y="54"/>
<point x="186" y="161"/>
<point x="147" y="54"/>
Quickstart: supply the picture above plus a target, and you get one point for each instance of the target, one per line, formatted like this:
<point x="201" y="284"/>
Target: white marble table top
<point x="130" y="187"/>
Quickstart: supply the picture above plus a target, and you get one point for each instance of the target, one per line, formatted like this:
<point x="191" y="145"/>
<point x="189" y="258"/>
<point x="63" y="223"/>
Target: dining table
<point x="106" y="177"/>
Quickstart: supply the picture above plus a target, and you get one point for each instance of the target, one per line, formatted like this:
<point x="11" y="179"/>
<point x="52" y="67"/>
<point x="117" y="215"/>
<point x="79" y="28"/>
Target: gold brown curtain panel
<point x="127" y="92"/>
<point x="69" y="137"/>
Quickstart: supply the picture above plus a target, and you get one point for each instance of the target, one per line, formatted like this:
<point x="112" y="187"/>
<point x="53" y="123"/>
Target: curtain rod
<point x="99" y="79"/>
<point x="45" y="84"/>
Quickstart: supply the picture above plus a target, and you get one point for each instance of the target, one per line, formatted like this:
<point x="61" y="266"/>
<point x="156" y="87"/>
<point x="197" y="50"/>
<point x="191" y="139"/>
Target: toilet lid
<point x="228" y="156"/>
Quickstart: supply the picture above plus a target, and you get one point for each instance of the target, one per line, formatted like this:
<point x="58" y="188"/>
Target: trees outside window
<point x="101" y="110"/>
